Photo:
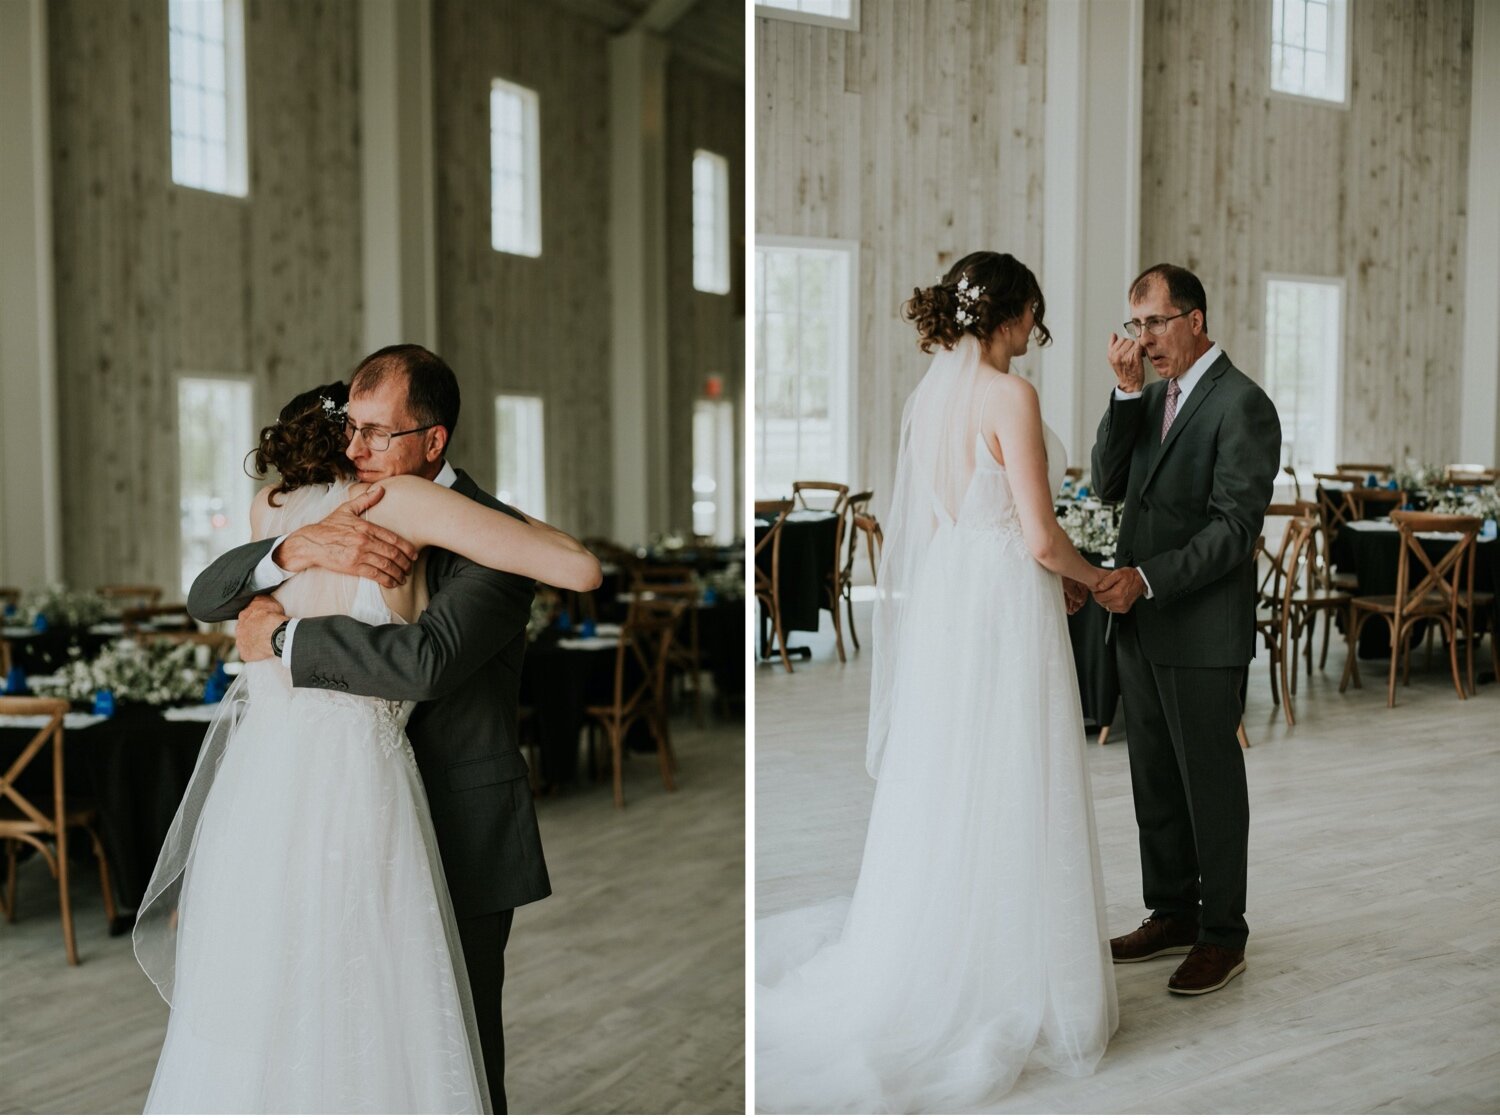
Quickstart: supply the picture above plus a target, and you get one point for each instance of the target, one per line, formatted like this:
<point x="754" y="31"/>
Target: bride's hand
<point x="1075" y="594"/>
<point x="344" y="542"/>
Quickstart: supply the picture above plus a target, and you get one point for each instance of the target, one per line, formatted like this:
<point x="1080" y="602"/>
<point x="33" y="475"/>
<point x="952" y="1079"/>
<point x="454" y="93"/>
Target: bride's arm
<point x="428" y="514"/>
<point x="1018" y="423"/>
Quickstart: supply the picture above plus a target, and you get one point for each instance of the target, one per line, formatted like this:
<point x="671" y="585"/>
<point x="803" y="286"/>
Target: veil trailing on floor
<point x="935" y="462"/>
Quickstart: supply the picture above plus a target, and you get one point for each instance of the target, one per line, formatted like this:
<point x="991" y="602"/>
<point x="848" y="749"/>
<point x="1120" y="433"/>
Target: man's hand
<point x="1119" y="589"/>
<point x="344" y="542"/>
<point x="258" y="620"/>
<point x="1125" y="356"/>
<point x="1075" y="594"/>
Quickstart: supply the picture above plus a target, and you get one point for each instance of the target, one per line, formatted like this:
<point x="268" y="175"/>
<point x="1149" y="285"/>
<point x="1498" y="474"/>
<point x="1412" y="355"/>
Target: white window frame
<point x="768" y="10"/>
<point x="1339" y="35"/>
<point x="236" y="132"/>
<point x="239" y="520"/>
<point x="1331" y="449"/>
<point x="536" y="507"/>
<point x="530" y="243"/>
<point x="720" y="413"/>
<point x="845" y="389"/>
<point x="711" y="260"/>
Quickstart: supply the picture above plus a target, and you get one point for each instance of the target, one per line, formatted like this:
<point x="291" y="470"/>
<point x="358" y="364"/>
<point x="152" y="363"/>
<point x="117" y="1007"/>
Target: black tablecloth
<point x="1375" y="554"/>
<point x="1098" y="675"/>
<point x="45" y="653"/>
<point x="135" y="768"/>
<point x="808" y="545"/>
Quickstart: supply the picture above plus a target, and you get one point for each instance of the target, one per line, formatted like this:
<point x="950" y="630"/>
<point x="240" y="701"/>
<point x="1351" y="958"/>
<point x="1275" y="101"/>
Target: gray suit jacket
<point x="1194" y="507"/>
<point x="461" y="661"/>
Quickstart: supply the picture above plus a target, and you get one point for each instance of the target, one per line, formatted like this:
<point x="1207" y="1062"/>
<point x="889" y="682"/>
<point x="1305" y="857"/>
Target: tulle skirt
<point x="975" y="941"/>
<point x="317" y="966"/>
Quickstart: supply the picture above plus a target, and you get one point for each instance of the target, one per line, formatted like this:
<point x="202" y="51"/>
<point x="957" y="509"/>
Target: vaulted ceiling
<point x="709" y="32"/>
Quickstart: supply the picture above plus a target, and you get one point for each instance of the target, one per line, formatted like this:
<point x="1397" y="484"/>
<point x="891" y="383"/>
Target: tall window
<point x="520" y="454"/>
<point x="713" y="470"/>
<point x="803" y="327"/>
<point x="206" y="45"/>
<point x="1309" y="48"/>
<point x="515" y="170"/>
<point x="710" y="223"/>
<point x="843" y="14"/>
<point x="215" y="429"/>
<point x="1304" y="332"/>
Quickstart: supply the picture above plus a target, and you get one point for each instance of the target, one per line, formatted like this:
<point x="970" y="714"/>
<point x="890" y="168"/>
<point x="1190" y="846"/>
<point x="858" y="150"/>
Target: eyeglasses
<point x="1156" y="324"/>
<point x="377" y="438"/>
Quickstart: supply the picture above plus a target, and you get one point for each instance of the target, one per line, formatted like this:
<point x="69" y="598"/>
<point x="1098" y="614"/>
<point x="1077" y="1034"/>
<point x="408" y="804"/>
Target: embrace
<point x="329" y="914"/>
<point x="974" y="943"/>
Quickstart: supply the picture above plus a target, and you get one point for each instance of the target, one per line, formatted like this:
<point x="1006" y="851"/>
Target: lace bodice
<point x="989" y="503"/>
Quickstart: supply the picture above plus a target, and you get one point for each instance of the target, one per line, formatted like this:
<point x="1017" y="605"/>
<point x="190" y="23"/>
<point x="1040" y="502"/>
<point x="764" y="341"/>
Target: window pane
<point x="515" y="162"/>
<point x="1303" y="336"/>
<point x="710" y="223"/>
<point x="206" y="61"/>
<point x="520" y="454"/>
<point x="215" y="429"/>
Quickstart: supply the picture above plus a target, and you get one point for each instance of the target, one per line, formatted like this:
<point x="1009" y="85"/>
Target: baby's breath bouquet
<point x="69" y="609"/>
<point x="1091" y="529"/>
<point x="727" y="583"/>
<point x="1475" y="501"/>
<point x="1416" y="476"/>
<point x="155" y="674"/>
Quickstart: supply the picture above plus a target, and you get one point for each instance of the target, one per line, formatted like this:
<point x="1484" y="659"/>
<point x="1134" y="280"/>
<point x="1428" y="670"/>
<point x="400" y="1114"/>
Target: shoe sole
<point x="1183" y="950"/>
<point x="1237" y="969"/>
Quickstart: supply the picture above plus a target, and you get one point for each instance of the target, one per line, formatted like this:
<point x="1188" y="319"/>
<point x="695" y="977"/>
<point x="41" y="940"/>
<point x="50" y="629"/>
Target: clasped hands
<point x="1117" y="591"/>
<point x="343" y="542"/>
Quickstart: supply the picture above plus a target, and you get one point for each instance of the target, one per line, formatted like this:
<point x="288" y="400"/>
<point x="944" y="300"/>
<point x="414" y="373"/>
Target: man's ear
<point x="437" y="443"/>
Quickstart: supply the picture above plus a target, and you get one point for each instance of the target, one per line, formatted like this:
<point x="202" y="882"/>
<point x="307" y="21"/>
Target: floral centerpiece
<point x="1091" y="529"/>
<point x="728" y="583"/>
<point x="155" y="674"/>
<point x="1417" y="476"/>
<point x="71" y="609"/>
<point x="1472" y="501"/>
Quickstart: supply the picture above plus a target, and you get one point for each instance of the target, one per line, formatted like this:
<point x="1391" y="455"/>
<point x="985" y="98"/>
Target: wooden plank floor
<point x="1373" y="980"/>
<point x="624" y="991"/>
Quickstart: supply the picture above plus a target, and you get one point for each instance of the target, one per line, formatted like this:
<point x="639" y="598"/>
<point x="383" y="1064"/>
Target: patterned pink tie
<point x="1174" y="390"/>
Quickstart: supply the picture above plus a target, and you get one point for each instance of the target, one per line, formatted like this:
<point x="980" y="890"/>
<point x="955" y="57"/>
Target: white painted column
<point x="397" y="169"/>
<point x="638" y="284"/>
<point x="1479" y="391"/>
<point x="1091" y="230"/>
<point x="30" y="493"/>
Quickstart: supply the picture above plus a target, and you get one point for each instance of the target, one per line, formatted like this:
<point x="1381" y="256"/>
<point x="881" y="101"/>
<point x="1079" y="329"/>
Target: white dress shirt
<point x="269" y="574"/>
<point x="1185" y="384"/>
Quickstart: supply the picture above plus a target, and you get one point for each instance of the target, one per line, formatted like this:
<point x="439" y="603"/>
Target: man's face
<point x="385" y="407"/>
<point x="1171" y="354"/>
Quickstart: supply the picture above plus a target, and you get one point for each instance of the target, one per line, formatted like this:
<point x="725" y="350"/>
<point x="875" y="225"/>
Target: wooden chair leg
<point x="1103" y="734"/>
<point x="853" y="632"/>
<point x="1243" y="737"/>
<point x="66" y="902"/>
<point x="1458" y="680"/>
<point x="1287" y="690"/>
<point x="780" y="634"/>
<point x="1327" y="629"/>
<point x="838" y="621"/>
<point x="110" y="911"/>
<point x="1396" y="647"/>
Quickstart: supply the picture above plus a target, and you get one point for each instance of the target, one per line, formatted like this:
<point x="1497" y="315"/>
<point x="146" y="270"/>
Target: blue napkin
<point x="40" y="624"/>
<point x="564" y="622"/>
<point x="217" y="685"/>
<point x="104" y="702"/>
<point x="587" y="629"/>
<point x="15" y="681"/>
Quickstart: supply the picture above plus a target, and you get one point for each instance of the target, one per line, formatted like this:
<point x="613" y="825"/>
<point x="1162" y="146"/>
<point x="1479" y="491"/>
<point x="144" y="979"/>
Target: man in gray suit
<point x="461" y="660"/>
<point x="1194" y="456"/>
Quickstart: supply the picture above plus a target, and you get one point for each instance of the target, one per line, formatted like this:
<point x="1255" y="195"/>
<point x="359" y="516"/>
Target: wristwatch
<point x="278" y="639"/>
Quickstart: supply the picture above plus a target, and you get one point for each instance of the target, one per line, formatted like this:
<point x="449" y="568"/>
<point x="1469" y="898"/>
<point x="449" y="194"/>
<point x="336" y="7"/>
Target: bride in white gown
<point x="974" y="942"/>
<point x="298" y="921"/>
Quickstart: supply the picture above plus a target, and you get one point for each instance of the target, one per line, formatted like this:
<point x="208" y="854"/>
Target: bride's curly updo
<point x="979" y="294"/>
<point x="306" y="443"/>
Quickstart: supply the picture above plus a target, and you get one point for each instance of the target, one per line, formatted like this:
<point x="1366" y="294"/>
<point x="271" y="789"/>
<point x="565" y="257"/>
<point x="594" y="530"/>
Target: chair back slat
<point x="51" y="733"/>
<point x="840" y="492"/>
<point x="1441" y="578"/>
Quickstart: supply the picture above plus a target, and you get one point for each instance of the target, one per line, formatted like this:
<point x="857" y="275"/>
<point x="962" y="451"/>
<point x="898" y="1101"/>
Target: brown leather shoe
<point x="1207" y="968"/>
<point x="1157" y="936"/>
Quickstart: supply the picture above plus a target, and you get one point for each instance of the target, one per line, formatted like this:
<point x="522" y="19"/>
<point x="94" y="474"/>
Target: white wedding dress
<point x="975" y="940"/>
<point x="298" y="921"/>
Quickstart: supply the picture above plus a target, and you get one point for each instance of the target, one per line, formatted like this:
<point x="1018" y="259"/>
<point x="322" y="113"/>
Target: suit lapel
<point x="465" y="485"/>
<point x="1201" y="392"/>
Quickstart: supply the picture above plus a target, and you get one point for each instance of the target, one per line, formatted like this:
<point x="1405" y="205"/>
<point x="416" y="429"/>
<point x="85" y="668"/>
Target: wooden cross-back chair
<point x="839" y="490"/>
<point x="220" y="645"/>
<point x="1291" y="472"/>
<point x="126" y="596"/>
<point x="1436" y="596"/>
<point x="768" y="581"/>
<point x="137" y="617"/>
<point x="646" y="641"/>
<point x="9" y="596"/>
<point x="678" y="584"/>
<point x="860" y="520"/>
<point x="1365" y="469"/>
<point x="46" y="828"/>
<point x="1469" y="473"/>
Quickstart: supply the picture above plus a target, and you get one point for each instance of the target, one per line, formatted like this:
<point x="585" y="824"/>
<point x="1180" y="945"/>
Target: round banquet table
<point x="809" y="540"/>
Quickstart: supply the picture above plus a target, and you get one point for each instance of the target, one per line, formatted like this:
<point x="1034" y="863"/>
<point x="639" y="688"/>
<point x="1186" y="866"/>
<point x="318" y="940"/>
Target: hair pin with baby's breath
<point x="968" y="296"/>
<point x="332" y="410"/>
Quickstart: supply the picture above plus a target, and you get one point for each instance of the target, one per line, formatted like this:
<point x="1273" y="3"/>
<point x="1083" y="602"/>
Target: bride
<point x="298" y="921"/>
<point x="974" y="942"/>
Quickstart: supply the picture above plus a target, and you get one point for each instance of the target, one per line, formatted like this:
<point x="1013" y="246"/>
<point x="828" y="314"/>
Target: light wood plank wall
<point x="508" y="323"/>
<point x="920" y="137"/>
<point x="1237" y="183"/>
<point x="705" y="333"/>
<point x="153" y="279"/>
